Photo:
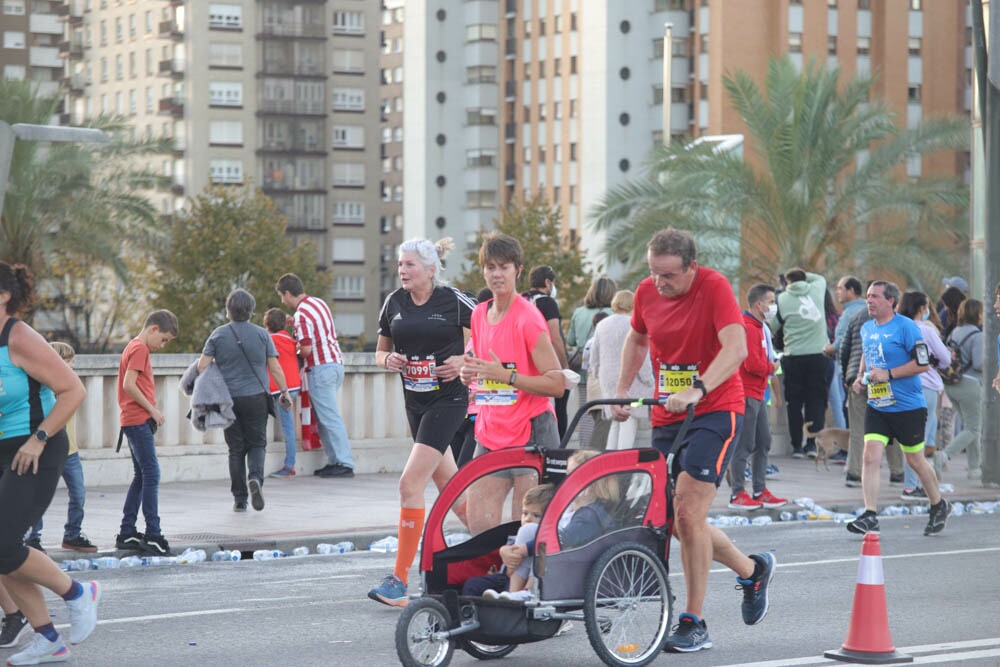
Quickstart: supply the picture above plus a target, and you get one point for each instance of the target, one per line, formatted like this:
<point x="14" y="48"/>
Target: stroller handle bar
<point x="631" y="402"/>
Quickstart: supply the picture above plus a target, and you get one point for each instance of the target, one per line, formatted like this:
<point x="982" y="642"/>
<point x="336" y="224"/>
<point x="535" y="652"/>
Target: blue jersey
<point x="24" y="402"/>
<point x="890" y="345"/>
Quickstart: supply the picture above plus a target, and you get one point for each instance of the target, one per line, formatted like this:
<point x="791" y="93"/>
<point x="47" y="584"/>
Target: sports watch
<point x="41" y="435"/>
<point x="698" y="384"/>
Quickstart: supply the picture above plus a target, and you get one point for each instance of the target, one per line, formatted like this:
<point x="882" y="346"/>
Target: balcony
<point x="65" y="119"/>
<point x="310" y="145"/>
<point x="509" y="174"/>
<point x="510" y="90"/>
<point x="71" y="49"/>
<point x="292" y="107"/>
<point x="177" y="188"/>
<point x="510" y="132"/>
<point x="510" y="6"/>
<point x="296" y="68"/>
<point x="171" y="106"/>
<point x="170" y="30"/>
<point x="510" y="48"/>
<point x="292" y="30"/>
<point x="75" y="83"/>
<point x="172" y="67"/>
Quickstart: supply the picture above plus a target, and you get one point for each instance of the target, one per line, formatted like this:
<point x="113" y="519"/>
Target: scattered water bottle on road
<point x="158" y="560"/>
<point x="338" y="548"/>
<point x="386" y="545"/>
<point x="267" y="554"/>
<point x="192" y="556"/>
<point x="761" y="520"/>
<point x="224" y="555"/>
<point x="106" y="563"/>
<point x="130" y="561"/>
<point x="300" y="551"/>
<point x="786" y="516"/>
<point x="79" y="565"/>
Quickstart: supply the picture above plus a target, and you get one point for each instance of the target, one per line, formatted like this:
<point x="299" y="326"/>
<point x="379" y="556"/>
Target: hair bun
<point x="444" y="246"/>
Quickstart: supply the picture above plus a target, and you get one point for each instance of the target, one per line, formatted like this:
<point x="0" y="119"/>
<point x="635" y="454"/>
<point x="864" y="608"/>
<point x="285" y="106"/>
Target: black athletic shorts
<point x="437" y="426"/>
<point x="906" y="426"/>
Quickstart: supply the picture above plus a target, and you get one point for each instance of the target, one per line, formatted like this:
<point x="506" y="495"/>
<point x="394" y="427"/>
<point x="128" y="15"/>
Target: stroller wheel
<point x="416" y="644"/>
<point x="482" y="651"/>
<point x="627" y="605"/>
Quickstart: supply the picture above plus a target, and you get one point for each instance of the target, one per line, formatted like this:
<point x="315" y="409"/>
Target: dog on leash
<point x="828" y="441"/>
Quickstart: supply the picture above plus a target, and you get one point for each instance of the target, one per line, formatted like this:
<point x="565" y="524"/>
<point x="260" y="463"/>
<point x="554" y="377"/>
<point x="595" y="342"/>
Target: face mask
<point x="772" y="311"/>
<point x="554" y="291"/>
<point x="927" y="314"/>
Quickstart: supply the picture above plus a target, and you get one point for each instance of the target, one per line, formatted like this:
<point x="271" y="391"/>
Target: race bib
<point x="673" y="378"/>
<point x="489" y="392"/>
<point x="880" y="395"/>
<point x="418" y="375"/>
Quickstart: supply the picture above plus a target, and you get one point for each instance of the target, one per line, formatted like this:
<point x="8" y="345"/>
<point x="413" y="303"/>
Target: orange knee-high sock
<point x="411" y="525"/>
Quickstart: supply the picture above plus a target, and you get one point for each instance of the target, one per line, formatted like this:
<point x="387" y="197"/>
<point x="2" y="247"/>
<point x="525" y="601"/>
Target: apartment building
<point x="391" y="210"/>
<point x="33" y="48"/>
<point x="572" y="101"/>
<point x="280" y="93"/>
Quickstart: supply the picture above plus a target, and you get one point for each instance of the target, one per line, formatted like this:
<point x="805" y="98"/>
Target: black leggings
<point x="24" y="498"/>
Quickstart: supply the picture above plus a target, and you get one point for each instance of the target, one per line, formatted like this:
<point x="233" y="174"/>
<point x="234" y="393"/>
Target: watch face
<point x="41" y="435"/>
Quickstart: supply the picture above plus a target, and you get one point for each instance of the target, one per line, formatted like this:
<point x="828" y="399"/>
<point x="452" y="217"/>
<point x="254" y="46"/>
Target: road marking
<point x="910" y="650"/>
<point x="160" y="617"/>
<point x="328" y="578"/>
<point x="854" y="559"/>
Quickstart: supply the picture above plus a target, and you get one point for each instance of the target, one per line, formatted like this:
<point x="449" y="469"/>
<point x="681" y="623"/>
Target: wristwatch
<point x="41" y="435"/>
<point x="698" y="384"/>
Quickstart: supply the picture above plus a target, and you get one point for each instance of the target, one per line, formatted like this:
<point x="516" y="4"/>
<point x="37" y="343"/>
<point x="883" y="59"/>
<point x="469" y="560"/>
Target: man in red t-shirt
<point x="687" y="320"/>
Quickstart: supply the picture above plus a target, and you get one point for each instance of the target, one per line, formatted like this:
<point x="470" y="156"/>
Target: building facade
<point x="33" y="47"/>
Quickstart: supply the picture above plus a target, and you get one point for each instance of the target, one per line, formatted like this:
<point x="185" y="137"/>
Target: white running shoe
<point x="491" y="594"/>
<point x="41" y="651"/>
<point x="83" y="612"/>
<point x="517" y="596"/>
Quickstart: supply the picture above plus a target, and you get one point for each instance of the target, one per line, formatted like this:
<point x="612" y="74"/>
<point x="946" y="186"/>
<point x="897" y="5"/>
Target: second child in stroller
<point x="514" y="586"/>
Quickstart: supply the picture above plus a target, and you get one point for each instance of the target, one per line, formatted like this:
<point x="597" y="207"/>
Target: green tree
<point x="824" y="188"/>
<point x="84" y="201"/>
<point x="538" y="226"/>
<point x="228" y="238"/>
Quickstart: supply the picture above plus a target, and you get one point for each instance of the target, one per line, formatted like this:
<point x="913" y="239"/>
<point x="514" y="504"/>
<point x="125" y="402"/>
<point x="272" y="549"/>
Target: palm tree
<point x="826" y="192"/>
<point x="83" y="200"/>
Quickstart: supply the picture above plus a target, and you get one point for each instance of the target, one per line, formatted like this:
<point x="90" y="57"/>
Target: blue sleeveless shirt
<point x="24" y="401"/>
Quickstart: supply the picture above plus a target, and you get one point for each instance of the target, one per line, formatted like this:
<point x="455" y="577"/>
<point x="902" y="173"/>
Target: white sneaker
<point x="517" y="596"/>
<point x="491" y="594"/>
<point x="40" y="651"/>
<point x="566" y="626"/>
<point x="83" y="612"/>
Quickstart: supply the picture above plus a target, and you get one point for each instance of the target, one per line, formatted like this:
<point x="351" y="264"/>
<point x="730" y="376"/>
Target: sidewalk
<point x="307" y="510"/>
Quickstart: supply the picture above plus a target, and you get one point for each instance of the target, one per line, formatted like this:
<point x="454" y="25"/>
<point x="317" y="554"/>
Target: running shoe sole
<point x="256" y="496"/>
<point x="401" y="602"/>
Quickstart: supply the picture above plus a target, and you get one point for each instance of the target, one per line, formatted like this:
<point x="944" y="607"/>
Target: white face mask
<point x="554" y="291"/>
<point x="772" y="311"/>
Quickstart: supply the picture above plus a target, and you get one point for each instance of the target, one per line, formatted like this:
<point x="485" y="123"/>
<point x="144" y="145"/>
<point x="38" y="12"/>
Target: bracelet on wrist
<point x="513" y="378"/>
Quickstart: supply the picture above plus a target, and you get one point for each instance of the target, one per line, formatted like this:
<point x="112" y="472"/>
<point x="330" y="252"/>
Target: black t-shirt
<point x="544" y="303"/>
<point x="428" y="335"/>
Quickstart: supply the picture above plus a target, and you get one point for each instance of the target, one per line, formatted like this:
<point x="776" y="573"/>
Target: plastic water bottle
<point x="192" y="556"/>
<point x="760" y="520"/>
<point x="300" y="551"/>
<point x="225" y="555"/>
<point x="786" y="516"/>
<point x="807" y="503"/>
<point x="158" y="560"/>
<point x="79" y="565"/>
<point x="957" y="509"/>
<point x="386" y="545"/>
<point x="130" y="561"/>
<point x="107" y="563"/>
<point x="267" y="554"/>
<point x="802" y="515"/>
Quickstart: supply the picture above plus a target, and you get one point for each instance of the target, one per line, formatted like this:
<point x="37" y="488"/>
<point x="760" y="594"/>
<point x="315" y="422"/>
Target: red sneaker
<point x="743" y="501"/>
<point x="769" y="500"/>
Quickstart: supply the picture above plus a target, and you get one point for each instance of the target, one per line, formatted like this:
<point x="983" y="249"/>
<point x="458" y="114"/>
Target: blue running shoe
<point x="689" y="635"/>
<point x="772" y="470"/>
<point x="755" y="600"/>
<point x="392" y="591"/>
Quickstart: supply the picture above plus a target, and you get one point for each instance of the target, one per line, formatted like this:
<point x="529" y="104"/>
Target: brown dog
<point x="828" y="441"/>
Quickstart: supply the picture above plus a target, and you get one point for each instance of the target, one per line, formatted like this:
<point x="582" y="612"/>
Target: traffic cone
<point x="868" y="640"/>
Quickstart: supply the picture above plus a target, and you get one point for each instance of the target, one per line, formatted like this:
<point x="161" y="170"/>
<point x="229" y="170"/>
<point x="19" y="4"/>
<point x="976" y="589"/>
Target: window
<point x="348" y="250"/>
<point x="225" y="133"/>
<point x="480" y="32"/>
<point x="480" y="199"/>
<point x="131" y="26"/>
<point x="225" y="17"/>
<point x="132" y="103"/>
<point x="795" y="42"/>
<point x="657" y="94"/>
<point x="348" y="174"/>
<point x="119" y="30"/>
<point x="104" y="69"/>
<point x="478" y="157"/>
<point x="527" y="28"/>
<point x="119" y="102"/>
<point x="348" y="23"/>
<point x="348" y="99"/>
<point x="572" y="64"/>
<point x="149" y="23"/>
<point x="557" y="24"/>
<point x="13" y="7"/>
<point x="351" y="61"/>
<point x="679" y="48"/>
<point x="572" y="108"/>
<point x="667" y="5"/>
<point x="864" y="4"/>
<point x="527" y="155"/>
<point x="397" y="134"/>
<point x="572" y="152"/>
<point x="914" y="44"/>
<point x="348" y="287"/>
<point x="222" y="54"/>
<point x="557" y="110"/>
<point x="864" y="45"/>
<point x="119" y="67"/>
<point x="348" y="212"/>
<point x="658" y="47"/>
<point x="348" y="136"/>
<point x="13" y="39"/>
<point x="678" y="94"/>
<point x="913" y="92"/>
<point x="225" y="94"/>
<point x="386" y="135"/>
<point x="16" y="73"/>
<point x="481" y="74"/>
<point x="149" y="100"/>
<point x="916" y="5"/>
<point x="226" y="171"/>
<point x="831" y="45"/>
<point x="131" y="65"/>
<point x="572" y="22"/>
<point x="479" y="116"/>
<point x="104" y="33"/>
<point x="397" y="193"/>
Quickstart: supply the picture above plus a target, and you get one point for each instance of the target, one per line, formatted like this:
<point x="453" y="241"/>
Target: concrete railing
<point x="371" y="402"/>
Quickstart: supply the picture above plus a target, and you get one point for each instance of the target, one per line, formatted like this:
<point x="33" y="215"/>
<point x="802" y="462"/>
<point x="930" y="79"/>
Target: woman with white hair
<point x="422" y="332"/>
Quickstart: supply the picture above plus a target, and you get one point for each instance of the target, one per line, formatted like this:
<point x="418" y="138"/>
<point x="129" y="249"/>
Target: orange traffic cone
<point x="868" y="640"/>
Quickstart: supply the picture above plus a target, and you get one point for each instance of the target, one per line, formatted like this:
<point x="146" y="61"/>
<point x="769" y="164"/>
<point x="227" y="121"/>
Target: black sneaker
<point x="130" y="541"/>
<point x="256" y="496"/>
<point x="240" y="506"/>
<point x="755" y="600"/>
<point x="35" y="543"/>
<point x="853" y="482"/>
<point x="157" y="545"/>
<point x="810" y="451"/>
<point x="79" y="543"/>
<point x="337" y="470"/>
<point x="797" y="453"/>
<point x="328" y="466"/>
<point x="896" y="479"/>
<point x="866" y="523"/>
<point x="15" y="628"/>
<point x="939" y="515"/>
<point x="688" y="635"/>
<point x="913" y="494"/>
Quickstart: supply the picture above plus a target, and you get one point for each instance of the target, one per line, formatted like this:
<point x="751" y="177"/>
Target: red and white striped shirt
<point x="314" y="326"/>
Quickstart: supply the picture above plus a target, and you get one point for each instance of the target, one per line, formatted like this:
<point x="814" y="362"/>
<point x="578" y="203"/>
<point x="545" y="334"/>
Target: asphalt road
<point x="943" y="600"/>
